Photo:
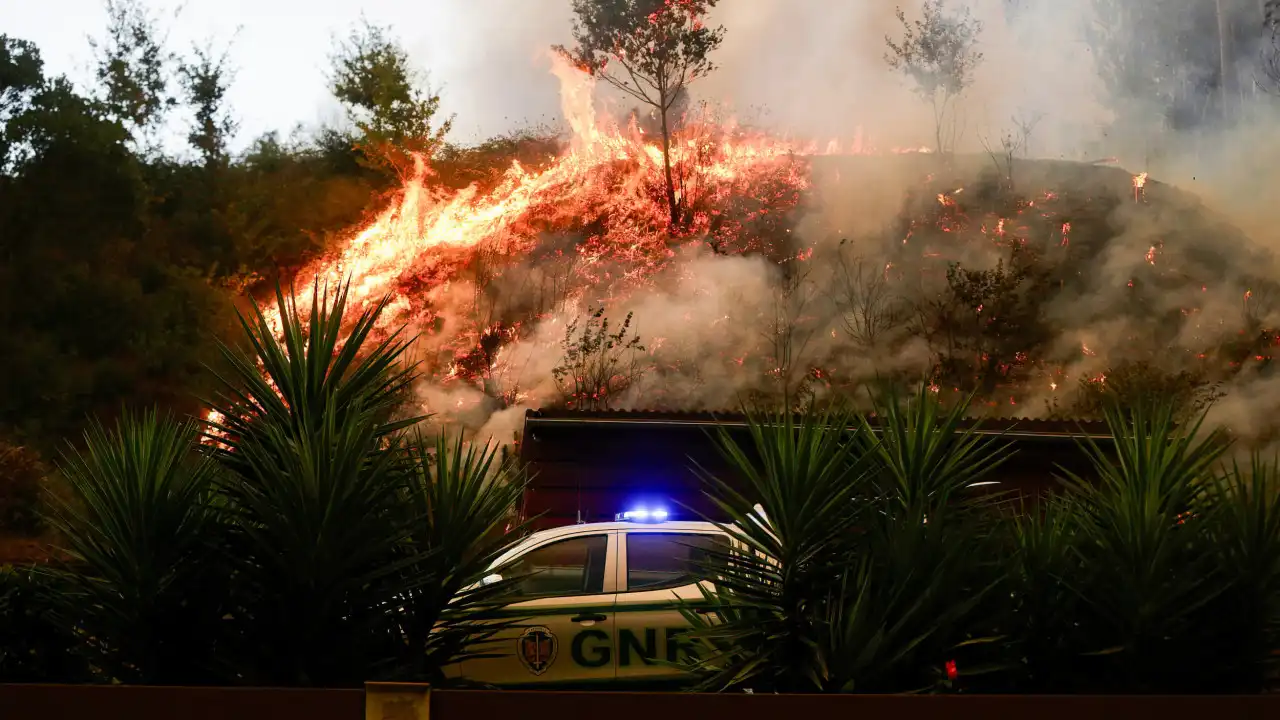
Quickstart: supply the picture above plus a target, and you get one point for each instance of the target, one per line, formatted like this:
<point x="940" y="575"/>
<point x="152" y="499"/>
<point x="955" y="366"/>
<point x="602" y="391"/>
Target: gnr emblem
<point x="537" y="649"/>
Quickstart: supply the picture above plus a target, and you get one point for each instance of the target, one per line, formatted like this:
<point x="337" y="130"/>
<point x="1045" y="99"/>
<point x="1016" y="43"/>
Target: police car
<point x="598" y="602"/>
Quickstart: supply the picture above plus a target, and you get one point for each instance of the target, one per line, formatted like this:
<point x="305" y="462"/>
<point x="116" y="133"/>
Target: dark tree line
<point x="121" y="259"/>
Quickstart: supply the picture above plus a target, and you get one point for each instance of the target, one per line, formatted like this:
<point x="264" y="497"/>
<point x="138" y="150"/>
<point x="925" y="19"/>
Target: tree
<point x="659" y="46"/>
<point x="938" y="53"/>
<point x="205" y="80"/>
<point x="869" y="308"/>
<point x="133" y="69"/>
<point x="21" y="77"/>
<point x="384" y="98"/>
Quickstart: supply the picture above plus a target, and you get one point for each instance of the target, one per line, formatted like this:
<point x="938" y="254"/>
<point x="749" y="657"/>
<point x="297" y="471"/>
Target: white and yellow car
<point x="599" y="602"/>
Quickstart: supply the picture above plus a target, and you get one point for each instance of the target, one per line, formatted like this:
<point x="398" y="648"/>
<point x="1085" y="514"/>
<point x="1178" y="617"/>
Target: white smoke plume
<point x="816" y="68"/>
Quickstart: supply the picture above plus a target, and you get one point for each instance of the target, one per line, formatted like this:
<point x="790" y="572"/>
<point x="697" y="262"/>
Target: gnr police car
<point x="599" y="602"/>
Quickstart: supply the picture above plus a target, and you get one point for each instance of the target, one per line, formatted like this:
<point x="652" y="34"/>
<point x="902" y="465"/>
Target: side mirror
<point x="491" y="579"/>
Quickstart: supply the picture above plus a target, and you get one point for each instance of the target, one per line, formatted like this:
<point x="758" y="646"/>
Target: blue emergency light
<point x="642" y="515"/>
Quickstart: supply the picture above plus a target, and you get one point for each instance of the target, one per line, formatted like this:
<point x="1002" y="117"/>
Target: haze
<point x="811" y="67"/>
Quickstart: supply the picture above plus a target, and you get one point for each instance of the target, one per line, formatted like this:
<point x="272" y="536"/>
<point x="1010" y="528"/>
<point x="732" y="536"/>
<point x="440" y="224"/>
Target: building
<point x="587" y="466"/>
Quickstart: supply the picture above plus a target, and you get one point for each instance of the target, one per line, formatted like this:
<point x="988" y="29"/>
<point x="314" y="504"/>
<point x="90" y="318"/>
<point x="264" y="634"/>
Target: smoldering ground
<point x="1163" y="277"/>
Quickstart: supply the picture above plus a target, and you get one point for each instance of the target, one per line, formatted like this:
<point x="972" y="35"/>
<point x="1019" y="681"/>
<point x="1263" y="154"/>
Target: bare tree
<point x="938" y="52"/>
<point x="598" y="365"/>
<point x="868" y="307"/>
<point x="788" y="332"/>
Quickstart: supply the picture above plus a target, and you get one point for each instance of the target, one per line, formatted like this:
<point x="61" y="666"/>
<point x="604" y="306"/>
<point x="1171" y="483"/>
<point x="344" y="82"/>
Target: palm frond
<point x="460" y="504"/>
<point x="141" y="587"/>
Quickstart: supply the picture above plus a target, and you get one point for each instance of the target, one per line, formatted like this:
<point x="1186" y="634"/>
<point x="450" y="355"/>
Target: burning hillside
<point x="797" y="271"/>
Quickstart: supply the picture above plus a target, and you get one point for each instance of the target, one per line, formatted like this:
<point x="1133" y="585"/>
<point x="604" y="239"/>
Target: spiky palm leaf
<point x="314" y="371"/>
<point x="1148" y="569"/>
<point x="909" y="605"/>
<point x="314" y="496"/>
<point x="801" y="474"/>
<point x="143" y="586"/>
<point x="1246" y="617"/>
<point x="460" y="505"/>
<point x="925" y="457"/>
<point x="834" y="586"/>
<point x="1044" y="647"/>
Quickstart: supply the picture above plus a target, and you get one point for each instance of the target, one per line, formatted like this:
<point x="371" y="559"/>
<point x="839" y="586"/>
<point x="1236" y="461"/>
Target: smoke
<point x="1158" y="275"/>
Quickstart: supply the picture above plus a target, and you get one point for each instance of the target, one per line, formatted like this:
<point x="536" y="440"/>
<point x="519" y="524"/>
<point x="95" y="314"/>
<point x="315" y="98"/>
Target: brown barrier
<point x="414" y="702"/>
<point x="120" y="702"/>
<point x="479" y="705"/>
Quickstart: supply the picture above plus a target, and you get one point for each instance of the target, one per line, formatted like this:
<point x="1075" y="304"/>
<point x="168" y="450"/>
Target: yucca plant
<point x="141" y="587"/>
<point x="838" y="583"/>
<point x="935" y="574"/>
<point x="459" y="507"/>
<point x="1245" y="617"/>
<point x="1147" y="569"/>
<point x="925" y="458"/>
<point x="314" y="492"/>
<point x="34" y="646"/>
<point x="1039" y="613"/>
<point x="791" y="508"/>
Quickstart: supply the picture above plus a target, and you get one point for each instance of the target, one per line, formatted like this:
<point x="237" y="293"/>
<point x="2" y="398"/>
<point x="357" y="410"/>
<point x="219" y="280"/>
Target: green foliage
<point x="1149" y="573"/>
<point x="659" y="46"/>
<point x="1131" y="382"/>
<point x="34" y="646"/>
<point x="374" y="81"/>
<point x="597" y="365"/>
<point x="859" y="563"/>
<point x="133" y="68"/>
<point x="990" y="322"/>
<point x="21" y="476"/>
<point x="461" y="503"/>
<point x="141" y="586"/>
<point x="314" y="488"/>
<point x="301" y="543"/>
<point x="1245" y="530"/>
<point x="205" y="80"/>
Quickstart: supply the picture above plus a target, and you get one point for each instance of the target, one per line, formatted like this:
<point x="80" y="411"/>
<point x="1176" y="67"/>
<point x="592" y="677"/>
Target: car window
<point x="666" y="559"/>
<point x="566" y="567"/>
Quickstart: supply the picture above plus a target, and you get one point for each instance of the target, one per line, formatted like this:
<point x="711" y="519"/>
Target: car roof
<point x="565" y="531"/>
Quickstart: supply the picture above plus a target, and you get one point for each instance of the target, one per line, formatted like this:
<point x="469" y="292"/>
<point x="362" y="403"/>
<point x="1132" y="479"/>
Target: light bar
<point x="642" y="515"/>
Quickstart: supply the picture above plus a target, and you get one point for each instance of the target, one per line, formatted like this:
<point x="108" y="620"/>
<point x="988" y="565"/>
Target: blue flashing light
<point x="643" y="515"/>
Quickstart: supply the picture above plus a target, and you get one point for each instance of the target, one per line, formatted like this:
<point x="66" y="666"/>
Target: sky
<point x="809" y="67"/>
<point x="280" y="50"/>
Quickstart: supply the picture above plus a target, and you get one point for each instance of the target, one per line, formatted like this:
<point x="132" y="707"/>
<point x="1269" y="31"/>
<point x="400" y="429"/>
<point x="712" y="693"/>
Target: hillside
<point x="792" y="275"/>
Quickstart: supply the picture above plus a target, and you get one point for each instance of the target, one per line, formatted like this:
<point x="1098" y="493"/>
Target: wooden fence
<point x="387" y="701"/>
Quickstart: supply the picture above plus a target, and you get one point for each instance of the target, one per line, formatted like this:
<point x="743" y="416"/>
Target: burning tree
<point x="660" y="45"/>
<point x="938" y="53"/>
<point x="384" y="99"/>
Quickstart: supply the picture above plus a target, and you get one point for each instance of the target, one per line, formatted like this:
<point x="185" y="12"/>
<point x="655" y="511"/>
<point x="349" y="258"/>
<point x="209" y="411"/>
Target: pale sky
<point x="815" y="66"/>
<point x="280" y="50"/>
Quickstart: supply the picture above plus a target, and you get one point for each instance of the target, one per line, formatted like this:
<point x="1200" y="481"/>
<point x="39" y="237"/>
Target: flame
<point x="427" y="234"/>
<point x="1139" y="185"/>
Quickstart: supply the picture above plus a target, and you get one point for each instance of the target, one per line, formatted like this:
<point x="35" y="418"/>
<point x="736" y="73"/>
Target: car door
<point x="565" y="612"/>
<point x="656" y="573"/>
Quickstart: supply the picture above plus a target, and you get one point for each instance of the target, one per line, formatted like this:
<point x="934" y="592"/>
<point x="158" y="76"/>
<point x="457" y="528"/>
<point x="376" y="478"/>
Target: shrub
<point x="34" y="647"/>
<point x="860" y="563"/>
<point x="140" y="585"/>
<point x="21" y="476"/>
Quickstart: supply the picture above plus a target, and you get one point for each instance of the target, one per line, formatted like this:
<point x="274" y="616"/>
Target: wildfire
<point x="1139" y="185"/>
<point x="415" y="247"/>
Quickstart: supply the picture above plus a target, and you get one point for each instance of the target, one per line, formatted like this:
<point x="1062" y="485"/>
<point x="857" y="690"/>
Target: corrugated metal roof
<point x="1007" y="426"/>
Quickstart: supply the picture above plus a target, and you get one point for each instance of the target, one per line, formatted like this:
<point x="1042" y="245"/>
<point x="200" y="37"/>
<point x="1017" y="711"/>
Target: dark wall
<point x="601" y="466"/>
